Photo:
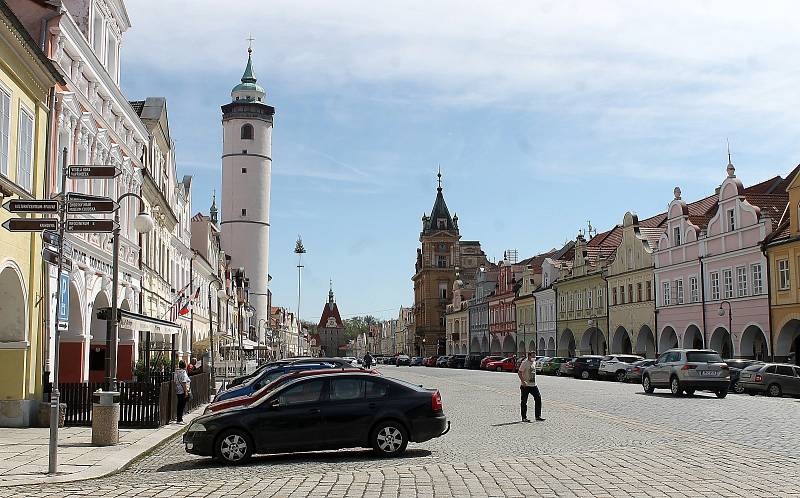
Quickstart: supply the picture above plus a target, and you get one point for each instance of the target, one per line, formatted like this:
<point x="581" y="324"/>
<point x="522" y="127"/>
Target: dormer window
<point x="731" y="221"/>
<point x="676" y="235"/>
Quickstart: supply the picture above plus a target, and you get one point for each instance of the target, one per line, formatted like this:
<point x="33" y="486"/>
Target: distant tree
<point x="356" y="325"/>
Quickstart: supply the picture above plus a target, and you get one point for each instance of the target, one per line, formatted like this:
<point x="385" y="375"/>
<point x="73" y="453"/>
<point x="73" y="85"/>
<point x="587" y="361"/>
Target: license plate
<point x="708" y="373"/>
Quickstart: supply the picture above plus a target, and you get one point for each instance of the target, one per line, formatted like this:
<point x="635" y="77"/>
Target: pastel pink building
<point x="710" y="271"/>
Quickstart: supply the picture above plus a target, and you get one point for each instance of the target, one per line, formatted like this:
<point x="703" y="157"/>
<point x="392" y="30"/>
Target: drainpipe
<point x="46" y="366"/>
<point x="769" y="303"/>
<point x="703" y="298"/>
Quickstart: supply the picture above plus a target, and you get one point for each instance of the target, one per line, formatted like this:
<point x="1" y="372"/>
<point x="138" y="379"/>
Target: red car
<point x="505" y="365"/>
<point x="488" y="360"/>
<point x="430" y="361"/>
<point x="246" y="400"/>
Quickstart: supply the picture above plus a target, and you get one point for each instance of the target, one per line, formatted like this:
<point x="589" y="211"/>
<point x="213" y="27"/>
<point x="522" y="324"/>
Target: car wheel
<point x="738" y="388"/>
<point x="647" y="385"/>
<point x="774" y="390"/>
<point x="584" y="374"/>
<point x="389" y="439"/>
<point x="621" y="376"/>
<point x="675" y="387"/>
<point x="499" y="369"/>
<point x="234" y="446"/>
<point x="722" y="393"/>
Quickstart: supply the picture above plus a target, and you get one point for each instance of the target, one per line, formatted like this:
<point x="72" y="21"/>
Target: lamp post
<point x="143" y="223"/>
<point x="299" y="250"/>
<point x="721" y="312"/>
<point x="215" y="280"/>
<point x="258" y="332"/>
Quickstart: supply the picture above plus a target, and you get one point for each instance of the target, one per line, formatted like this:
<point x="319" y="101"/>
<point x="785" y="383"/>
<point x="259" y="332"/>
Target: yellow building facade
<point x="783" y="256"/>
<point x="26" y="80"/>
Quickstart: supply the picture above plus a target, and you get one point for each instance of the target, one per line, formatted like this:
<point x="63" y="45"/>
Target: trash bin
<point x="105" y="418"/>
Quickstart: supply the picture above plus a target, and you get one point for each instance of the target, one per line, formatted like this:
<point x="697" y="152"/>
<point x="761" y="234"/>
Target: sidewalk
<point x="24" y="452"/>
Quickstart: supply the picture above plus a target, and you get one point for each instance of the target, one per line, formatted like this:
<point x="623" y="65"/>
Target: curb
<point x="114" y="463"/>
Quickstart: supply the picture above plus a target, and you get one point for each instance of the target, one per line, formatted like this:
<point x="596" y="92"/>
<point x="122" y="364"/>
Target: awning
<point x="134" y="321"/>
<point x="248" y="344"/>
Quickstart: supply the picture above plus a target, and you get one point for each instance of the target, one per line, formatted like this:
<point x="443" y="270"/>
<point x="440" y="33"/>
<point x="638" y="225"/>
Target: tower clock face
<point x="331" y="323"/>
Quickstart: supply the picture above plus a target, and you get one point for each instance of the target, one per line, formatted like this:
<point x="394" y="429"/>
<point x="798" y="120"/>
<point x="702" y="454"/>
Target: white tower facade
<point x="246" y="178"/>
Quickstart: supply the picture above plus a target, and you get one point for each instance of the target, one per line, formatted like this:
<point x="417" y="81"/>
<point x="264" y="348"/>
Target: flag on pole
<point x="177" y="304"/>
<point x="187" y="306"/>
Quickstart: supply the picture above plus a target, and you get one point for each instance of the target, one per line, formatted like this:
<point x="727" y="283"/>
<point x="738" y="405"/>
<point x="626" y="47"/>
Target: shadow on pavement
<point x="293" y="458"/>
<point x="669" y="395"/>
<point x="507" y="423"/>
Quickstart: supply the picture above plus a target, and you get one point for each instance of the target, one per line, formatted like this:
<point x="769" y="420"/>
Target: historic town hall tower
<point x="246" y="172"/>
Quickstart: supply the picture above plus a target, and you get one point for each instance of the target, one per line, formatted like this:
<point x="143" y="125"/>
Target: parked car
<point x="390" y="360"/>
<point x="237" y="381"/>
<point x="417" y="361"/>
<point x="323" y="412"/>
<point x="539" y="362"/>
<point x="567" y="369"/>
<point x="552" y="365"/>
<point x="265" y="377"/>
<point x="616" y="366"/>
<point x="633" y="372"/>
<point x="772" y="379"/>
<point x="485" y="362"/>
<point x="288" y="377"/>
<point x="430" y="361"/>
<point x="456" y="361"/>
<point x="687" y="370"/>
<point x="442" y="361"/>
<point x="737" y="365"/>
<point x="352" y="360"/>
<point x="505" y="365"/>
<point x="473" y="361"/>
<point x="403" y="359"/>
<point x="586" y="366"/>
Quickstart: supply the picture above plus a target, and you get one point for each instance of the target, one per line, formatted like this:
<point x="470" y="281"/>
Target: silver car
<point x="688" y="370"/>
<point x="772" y="379"/>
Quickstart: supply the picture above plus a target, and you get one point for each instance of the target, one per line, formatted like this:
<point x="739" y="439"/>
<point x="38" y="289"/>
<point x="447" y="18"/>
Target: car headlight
<point x="196" y="427"/>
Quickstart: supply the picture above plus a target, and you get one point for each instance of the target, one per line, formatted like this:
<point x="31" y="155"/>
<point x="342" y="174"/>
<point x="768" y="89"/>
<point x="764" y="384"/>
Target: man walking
<point x="527" y="379"/>
<point x="367" y="360"/>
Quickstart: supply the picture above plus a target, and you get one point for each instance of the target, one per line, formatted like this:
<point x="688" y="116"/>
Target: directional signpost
<point x="81" y="204"/>
<point x="93" y="226"/>
<point x="31" y="206"/>
<point x="93" y="172"/>
<point x="51" y="257"/>
<point x="30" y="225"/>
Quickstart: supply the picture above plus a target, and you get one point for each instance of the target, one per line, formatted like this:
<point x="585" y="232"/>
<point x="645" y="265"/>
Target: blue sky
<point x="543" y="115"/>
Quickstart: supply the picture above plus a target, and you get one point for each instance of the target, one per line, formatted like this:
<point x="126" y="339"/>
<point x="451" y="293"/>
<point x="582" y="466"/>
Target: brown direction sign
<point x="30" y="225"/>
<point x="31" y="206"/>
<point x="92" y="171"/>
<point x="51" y="257"/>
<point x="91" y="206"/>
<point x="91" y="226"/>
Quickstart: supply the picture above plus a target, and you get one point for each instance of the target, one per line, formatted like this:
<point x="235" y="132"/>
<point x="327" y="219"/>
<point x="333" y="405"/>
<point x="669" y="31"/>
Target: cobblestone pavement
<point x="600" y="439"/>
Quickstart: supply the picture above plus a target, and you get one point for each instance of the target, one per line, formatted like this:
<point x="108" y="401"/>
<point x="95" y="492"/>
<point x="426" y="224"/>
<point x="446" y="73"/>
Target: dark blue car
<point x="266" y="377"/>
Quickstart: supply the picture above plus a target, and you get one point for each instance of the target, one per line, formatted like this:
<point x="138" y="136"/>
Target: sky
<point x="542" y="115"/>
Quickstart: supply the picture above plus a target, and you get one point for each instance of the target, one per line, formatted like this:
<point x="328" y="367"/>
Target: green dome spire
<point x="248" y="89"/>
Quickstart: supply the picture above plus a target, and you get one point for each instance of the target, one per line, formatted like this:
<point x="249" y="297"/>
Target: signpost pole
<point x="112" y="325"/>
<point x="52" y="466"/>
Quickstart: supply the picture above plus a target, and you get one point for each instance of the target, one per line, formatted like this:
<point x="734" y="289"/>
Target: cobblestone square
<point x="599" y="439"/>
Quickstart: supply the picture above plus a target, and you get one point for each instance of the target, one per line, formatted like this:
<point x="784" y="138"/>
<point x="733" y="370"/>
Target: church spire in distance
<point x="213" y="210"/>
<point x="249" y="89"/>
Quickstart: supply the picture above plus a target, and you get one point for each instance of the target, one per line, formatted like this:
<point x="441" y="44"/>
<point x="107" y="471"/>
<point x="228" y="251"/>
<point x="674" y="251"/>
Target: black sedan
<point x="323" y="412"/>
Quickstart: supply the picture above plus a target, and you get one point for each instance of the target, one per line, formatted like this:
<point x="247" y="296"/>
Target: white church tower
<point x="246" y="172"/>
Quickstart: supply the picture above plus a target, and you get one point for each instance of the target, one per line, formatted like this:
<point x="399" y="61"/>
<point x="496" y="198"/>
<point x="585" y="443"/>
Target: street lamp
<point x="299" y="249"/>
<point x="258" y="332"/>
<point x="215" y="280"/>
<point x="143" y="223"/>
<point x="721" y="312"/>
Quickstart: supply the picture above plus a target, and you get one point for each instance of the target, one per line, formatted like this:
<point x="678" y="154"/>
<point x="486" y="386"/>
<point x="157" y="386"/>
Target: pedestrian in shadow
<point x="181" y="389"/>
<point x="527" y="379"/>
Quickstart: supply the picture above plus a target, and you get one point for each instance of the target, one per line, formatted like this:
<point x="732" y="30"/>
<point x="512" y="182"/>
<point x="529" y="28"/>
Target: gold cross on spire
<point x="250" y="41"/>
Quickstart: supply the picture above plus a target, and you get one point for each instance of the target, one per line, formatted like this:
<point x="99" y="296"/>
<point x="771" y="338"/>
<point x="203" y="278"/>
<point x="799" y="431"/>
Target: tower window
<point x="244" y="151"/>
<point x="247" y="131"/>
<point x="244" y="212"/>
<point x="244" y="170"/>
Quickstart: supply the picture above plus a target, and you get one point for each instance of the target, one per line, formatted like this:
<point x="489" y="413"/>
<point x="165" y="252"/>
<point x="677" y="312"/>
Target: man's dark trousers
<point x="537" y="399"/>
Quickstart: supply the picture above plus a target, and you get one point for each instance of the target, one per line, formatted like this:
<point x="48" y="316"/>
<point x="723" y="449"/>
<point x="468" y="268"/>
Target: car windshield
<point x="415" y="387"/>
<point x="629" y="359"/>
<point x="703" y="357"/>
<point x="757" y="366"/>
